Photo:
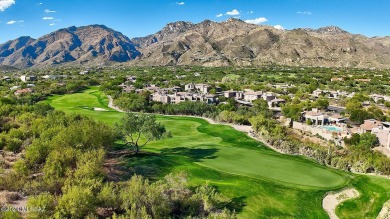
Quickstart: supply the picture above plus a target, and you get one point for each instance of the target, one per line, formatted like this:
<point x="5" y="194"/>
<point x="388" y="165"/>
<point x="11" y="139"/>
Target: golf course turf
<point x="262" y="183"/>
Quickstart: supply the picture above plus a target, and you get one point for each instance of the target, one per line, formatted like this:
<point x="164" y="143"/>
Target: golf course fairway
<point x="263" y="183"/>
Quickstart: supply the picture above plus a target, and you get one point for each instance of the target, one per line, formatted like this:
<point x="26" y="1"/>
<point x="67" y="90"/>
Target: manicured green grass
<point x="374" y="191"/>
<point x="83" y="103"/>
<point x="261" y="182"/>
<point x="233" y="152"/>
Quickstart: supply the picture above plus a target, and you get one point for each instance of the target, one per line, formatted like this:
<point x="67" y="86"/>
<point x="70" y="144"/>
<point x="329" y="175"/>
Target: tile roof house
<point x="24" y="91"/>
<point x="370" y="124"/>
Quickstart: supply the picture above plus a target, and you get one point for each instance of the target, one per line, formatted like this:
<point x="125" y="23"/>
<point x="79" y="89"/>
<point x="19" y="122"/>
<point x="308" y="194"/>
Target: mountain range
<point x="231" y="42"/>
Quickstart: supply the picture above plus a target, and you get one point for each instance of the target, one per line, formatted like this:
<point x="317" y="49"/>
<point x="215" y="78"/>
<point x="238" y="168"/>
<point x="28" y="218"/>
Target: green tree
<point x="261" y="106"/>
<point x="322" y="103"/>
<point x="292" y="111"/>
<point x="353" y="105"/>
<point x="42" y="206"/>
<point x="368" y="140"/>
<point x="359" y="115"/>
<point x="134" y="126"/>
<point x="353" y="140"/>
<point x="108" y="196"/>
<point x="76" y="202"/>
<point x="376" y="112"/>
<point x="10" y="215"/>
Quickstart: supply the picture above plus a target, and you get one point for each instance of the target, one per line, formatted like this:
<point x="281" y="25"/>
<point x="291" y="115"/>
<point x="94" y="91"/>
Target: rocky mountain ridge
<point x="209" y="43"/>
<point x="89" y="44"/>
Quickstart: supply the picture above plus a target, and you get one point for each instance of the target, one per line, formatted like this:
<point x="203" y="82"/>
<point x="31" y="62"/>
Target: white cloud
<point x="251" y="12"/>
<point x="257" y="20"/>
<point x="304" y="12"/>
<point x="180" y="3"/>
<point x="40" y="3"/>
<point x="4" y="4"/>
<point x="14" y="22"/>
<point x="52" y="24"/>
<point x="233" y="12"/>
<point x="47" y="18"/>
<point x="279" y="27"/>
<point x="219" y="15"/>
<point x="49" y="11"/>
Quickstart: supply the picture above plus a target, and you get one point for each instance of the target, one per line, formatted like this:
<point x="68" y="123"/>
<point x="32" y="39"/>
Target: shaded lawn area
<point x="262" y="183"/>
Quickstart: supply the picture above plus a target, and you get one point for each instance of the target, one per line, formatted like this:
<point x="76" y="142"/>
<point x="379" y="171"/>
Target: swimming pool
<point x="332" y="128"/>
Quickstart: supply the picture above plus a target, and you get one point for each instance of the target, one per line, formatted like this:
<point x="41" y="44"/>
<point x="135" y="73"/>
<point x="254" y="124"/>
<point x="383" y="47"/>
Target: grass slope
<point x="261" y="182"/>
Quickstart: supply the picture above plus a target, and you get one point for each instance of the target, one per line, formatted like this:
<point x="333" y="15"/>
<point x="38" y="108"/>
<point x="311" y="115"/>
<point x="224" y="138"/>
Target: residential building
<point x="24" y="91"/>
<point x="132" y="79"/>
<point x="176" y="89"/>
<point x="281" y="86"/>
<point x="269" y="96"/>
<point x="316" y="117"/>
<point x="84" y="72"/>
<point x="211" y="99"/>
<point x="370" y="124"/>
<point x="276" y="103"/>
<point x="383" y="134"/>
<point x="15" y="87"/>
<point x="152" y="88"/>
<point x="252" y="96"/>
<point x="317" y="93"/>
<point x="25" y="78"/>
<point x="189" y="87"/>
<point x="323" y="118"/>
<point x="203" y="88"/>
<point x="378" y="97"/>
<point x="239" y="95"/>
<point x="336" y="119"/>
<point x="53" y="77"/>
<point x="229" y="94"/>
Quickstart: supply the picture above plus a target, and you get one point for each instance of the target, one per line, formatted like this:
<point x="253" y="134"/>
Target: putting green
<point x="216" y="146"/>
<point x="273" y="167"/>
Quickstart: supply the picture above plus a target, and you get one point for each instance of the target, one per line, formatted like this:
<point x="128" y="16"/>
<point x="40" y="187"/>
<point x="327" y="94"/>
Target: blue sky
<point x="139" y="18"/>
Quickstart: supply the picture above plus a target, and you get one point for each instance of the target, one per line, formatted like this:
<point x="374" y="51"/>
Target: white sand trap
<point x="331" y="201"/>
<point x="99" y="109"/>
<point x="385" y="212"/>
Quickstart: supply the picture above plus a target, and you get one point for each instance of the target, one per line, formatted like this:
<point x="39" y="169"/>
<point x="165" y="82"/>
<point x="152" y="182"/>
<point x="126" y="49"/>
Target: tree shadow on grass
<point x="154" y="166"/>
<point x="195" y="154"/>
<point x="236" y="204"/>
<point x="118" y="145"/>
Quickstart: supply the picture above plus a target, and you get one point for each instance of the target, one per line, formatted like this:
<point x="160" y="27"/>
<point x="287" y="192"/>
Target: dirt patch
<point x="13" y="200"/>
